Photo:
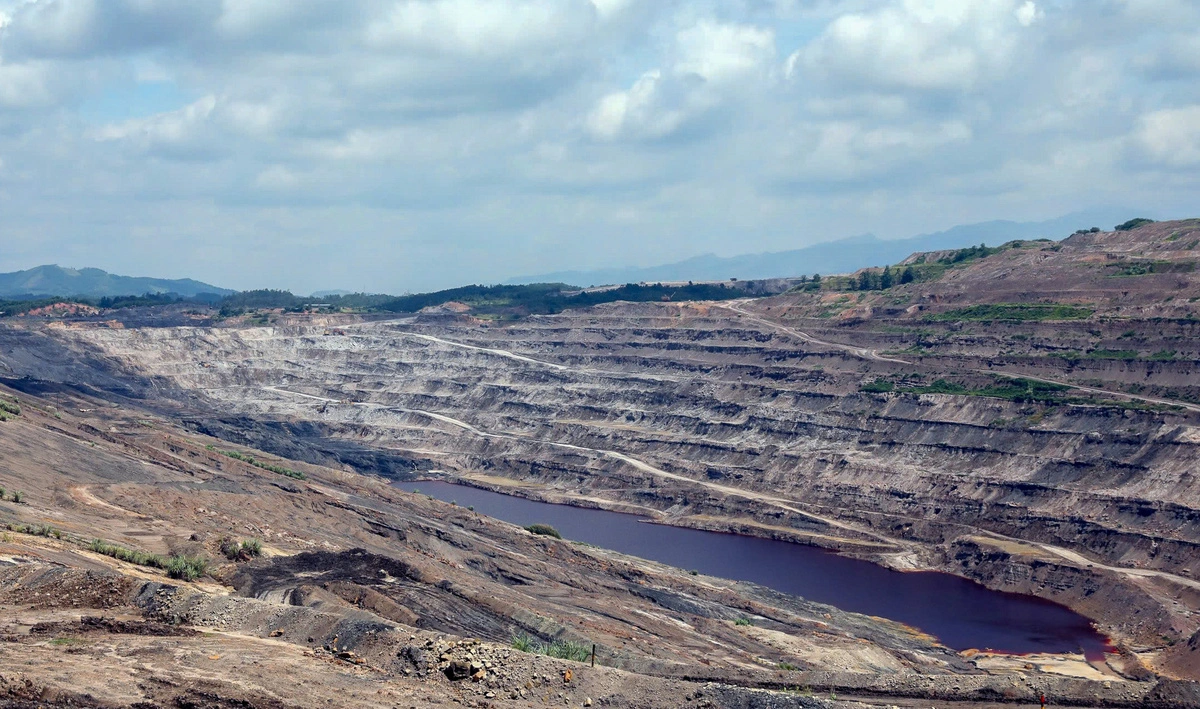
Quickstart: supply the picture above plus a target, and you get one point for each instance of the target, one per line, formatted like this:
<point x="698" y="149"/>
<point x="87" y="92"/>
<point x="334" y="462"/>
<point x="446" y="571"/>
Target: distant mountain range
<point x="94" y="283"/>
<point x="841" y="256"/>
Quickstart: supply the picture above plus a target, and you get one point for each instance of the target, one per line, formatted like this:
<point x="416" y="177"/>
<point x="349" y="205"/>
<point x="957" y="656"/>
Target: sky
<point x="402" y="146"/>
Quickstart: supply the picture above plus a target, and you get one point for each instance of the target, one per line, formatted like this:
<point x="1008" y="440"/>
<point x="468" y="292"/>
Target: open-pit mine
<point x="975" y="487"/>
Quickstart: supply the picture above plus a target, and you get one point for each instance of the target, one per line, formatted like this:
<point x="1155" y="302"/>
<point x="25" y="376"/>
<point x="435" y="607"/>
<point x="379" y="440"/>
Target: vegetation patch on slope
<point x="1019" y="390"/>
<point x="549" y="298"/>
<point x="1016" y="389"/>
<point x="1145" y="268"/>
<point x="298" y="475"/>
<point x="1015" y="312"/>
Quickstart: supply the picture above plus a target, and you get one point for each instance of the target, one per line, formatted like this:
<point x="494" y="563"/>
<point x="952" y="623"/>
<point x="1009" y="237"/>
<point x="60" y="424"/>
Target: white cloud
<point x="712" y="64"/>
<point x="178" y="133"/>
<point x="543" y="134"/>
<point x="652" y="108"/>
<point x="26" y="85"/>
<point x="1170" y="136"/>
<point x="722" y="52"/>
<point x="1028" y="13"/>
<point x="483" y="28"/>
<point x="918" y="44"/>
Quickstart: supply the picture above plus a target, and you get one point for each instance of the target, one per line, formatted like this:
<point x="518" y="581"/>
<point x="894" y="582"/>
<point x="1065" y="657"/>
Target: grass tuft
<point x="562" y="649"/>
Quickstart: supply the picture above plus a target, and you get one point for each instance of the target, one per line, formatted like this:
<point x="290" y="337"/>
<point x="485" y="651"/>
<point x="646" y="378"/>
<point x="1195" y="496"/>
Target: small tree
<point x="908" y="276"/>
<point x="886" y="280"/>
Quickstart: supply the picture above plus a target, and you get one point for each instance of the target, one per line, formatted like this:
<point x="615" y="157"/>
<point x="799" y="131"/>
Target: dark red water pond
<point x="960" y="613"/>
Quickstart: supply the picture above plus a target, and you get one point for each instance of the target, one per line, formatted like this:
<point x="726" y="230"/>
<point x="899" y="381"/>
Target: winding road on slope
<point x="860" y="352"/>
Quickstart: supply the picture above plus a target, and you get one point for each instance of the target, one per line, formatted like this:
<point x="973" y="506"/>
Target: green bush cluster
<point x="972" y="253"/>
<point x="17" y="496"/>
<point x="1013" y="389"/>
<point x="1133" y="224"/>
<point x="549" y="298"/>
<point x="141" y="558"/>
<point x="544" y="530"/>
<point x="178" y="566"/>
<point x="278" y="469"/>
<point x="1143" y="268"/>
<point x="186" y="568"/>
<point x="247" y="549"/>
<point x="37" y="530"/>
<point x="9" y="308"/>
<point x="1021" y="312"/>
<point x="1018" y="390"/>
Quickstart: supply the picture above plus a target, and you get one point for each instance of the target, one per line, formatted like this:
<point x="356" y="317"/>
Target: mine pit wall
<point x="1083" y="478"/>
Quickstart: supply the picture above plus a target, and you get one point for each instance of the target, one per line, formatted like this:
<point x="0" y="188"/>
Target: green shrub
<point x="877" y="386"/>
<point x="742" y="621"/>
<point x="229" y="548"/>
<point x="248" y="549"/>
<point x="186" y="568"/>
<point x="545" y="530"/>
<point x="1133" y="224"/>
<point x="18" y="497"/>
